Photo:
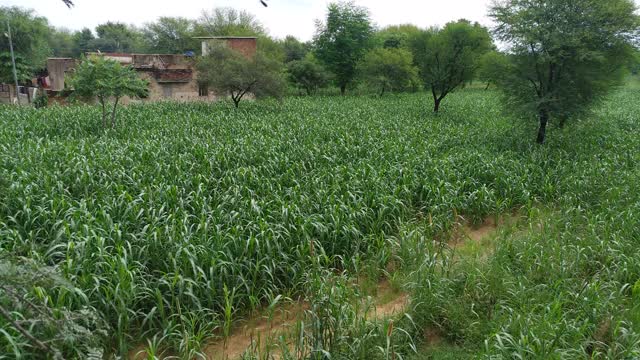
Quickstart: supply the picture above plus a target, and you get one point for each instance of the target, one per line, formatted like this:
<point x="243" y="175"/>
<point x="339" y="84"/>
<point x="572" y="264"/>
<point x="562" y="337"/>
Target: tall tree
<point x="294" y="49"/>
<point x="117" y="37"/>
<point x="82" y="41"/>
<point x="389" y="70"/>
<point x="565" y="55"/>
<point x="171" y="35"/>
<point x="61" y="42"/>
<point x="228" y="22"/>
<point x="29" y="33"/>
<point x="342" y="40"/>
<point x="449" y="57"/>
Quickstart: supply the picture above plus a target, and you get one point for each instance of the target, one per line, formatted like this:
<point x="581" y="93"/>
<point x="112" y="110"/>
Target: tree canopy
<point x="307" y="74"/>
<point x="171" y="35"/>
<point x="29" y="33"/>
<point x="225" y="21"/>
<point x="389" y="69"/>
<point x="117" y="37"/>
<point x="396" y="36"/>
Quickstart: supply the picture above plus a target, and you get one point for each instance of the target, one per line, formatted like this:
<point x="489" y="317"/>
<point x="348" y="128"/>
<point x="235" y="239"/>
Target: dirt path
<point x="388" y="302"/>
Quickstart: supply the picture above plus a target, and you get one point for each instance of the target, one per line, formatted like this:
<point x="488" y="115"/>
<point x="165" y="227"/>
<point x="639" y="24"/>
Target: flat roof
<point x="225" y="37"/>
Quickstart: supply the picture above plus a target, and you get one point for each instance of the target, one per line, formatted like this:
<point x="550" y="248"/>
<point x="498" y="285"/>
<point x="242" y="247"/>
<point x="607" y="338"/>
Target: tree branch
<point x="7" y="315"/>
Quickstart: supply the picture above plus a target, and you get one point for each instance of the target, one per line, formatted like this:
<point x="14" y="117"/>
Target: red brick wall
<point x="246" y="47"/>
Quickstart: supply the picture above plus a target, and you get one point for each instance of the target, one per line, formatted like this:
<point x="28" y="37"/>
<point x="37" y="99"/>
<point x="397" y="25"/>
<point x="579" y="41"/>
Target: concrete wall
<point x="181" y="91"/>
<point x="8" y="94"/>
<point x="58" y="68"/>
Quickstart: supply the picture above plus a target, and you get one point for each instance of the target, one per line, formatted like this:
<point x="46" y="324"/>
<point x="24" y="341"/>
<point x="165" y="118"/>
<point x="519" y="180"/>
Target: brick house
<point x="170" y="76"/>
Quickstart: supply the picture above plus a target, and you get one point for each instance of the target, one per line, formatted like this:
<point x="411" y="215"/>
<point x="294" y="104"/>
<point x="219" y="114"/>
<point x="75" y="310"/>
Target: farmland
<point x="187" y="218"/>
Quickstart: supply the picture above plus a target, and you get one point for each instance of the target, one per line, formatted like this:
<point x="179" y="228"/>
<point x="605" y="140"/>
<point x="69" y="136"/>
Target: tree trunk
<point x="113" y="113"/>
<point x="382" y="92"/>
<point x="436" y="105"/>
<point x="343" y="89"/>
<point x="104" y="114"/>
<point x="542" y="131"/>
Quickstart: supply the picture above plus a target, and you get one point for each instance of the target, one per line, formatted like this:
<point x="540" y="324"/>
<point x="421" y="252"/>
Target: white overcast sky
<point x="282" y="17"/>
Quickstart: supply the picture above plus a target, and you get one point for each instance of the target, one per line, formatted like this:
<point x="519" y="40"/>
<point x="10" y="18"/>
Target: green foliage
<point x="396" y="36"/>
<point x="171" y="35"/>
<point x="449" y="57"/>
<point x="117" y="37"/>
<point x="307" y="74"/>
<point x="23" y="70"/>
<point x="61" y="42"/>
<point x="83" y="42"/>
<point x="565" y="56"/>
<point x="44" y="316"/>
<point x="29" y="33"/>
<point x="41" y="100"/>
<point x="226" y="21"/>
<point x="229" y="72"/>
<point x="294" y="49"/>
<point x="270" y="48"/>
<point x="105" y="79"/>
<point x="492" y="67"/>
<point x="389" y="70"/>
<point x="342" y="40"/>
<point x="152" y="221"/>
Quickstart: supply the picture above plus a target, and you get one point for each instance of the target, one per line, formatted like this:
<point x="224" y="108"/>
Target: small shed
<point x="58" y="69"/>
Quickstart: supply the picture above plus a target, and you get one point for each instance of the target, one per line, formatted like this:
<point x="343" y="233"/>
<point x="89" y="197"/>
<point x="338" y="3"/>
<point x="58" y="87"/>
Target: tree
<point x="82" y="41"/>
<point x="117" y="37"/>
<point x="61" y="42"/>
<point x="171" y="35"/>
<point x="307" y="74"/>
<point x="388" y="69"/>
<point x="228" y="22"/>
<point x="564" y="55"/>
<point x="341" y="41"/>
<point x="229" y="72"/>
<point x="294" y="49"/>
<point x="29" y="33"/>
<point x="491" y="68"/>
<point x="448" y="57"/>
<point x="23" y="70"/>
<point x="106" y="79"/>
<point x="396" y="36"/>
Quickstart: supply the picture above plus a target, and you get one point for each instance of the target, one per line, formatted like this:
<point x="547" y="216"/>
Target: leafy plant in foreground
<point x="106" y="79"/>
